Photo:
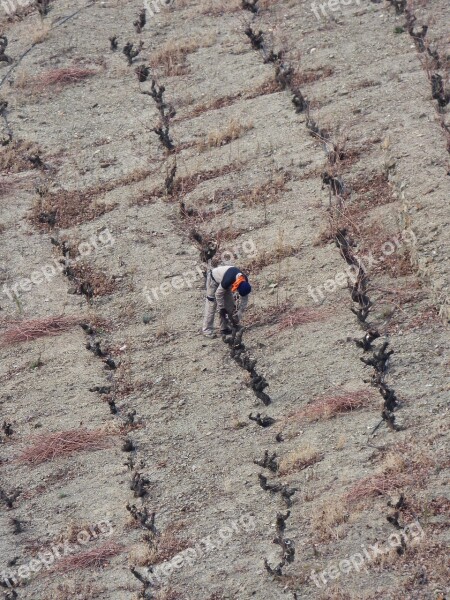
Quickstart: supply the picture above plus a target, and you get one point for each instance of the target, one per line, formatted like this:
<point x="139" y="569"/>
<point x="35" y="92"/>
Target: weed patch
<point x="66" y="209"/>
<point x="221" y="137"/>
<point x="89" y="282"/>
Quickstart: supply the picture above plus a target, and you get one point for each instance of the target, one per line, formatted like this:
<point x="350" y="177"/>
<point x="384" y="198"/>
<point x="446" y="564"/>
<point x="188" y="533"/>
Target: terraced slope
<point x="307" y="145"/>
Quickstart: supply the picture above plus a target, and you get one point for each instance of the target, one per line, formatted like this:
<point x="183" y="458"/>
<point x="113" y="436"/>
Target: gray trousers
<point x="211" y="305"/>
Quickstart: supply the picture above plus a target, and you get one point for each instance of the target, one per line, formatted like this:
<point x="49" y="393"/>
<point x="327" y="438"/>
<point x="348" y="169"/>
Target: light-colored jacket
<point x="218" y="275"/>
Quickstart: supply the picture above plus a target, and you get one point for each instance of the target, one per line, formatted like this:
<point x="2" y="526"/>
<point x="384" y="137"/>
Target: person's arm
<point x="242" y="306"/>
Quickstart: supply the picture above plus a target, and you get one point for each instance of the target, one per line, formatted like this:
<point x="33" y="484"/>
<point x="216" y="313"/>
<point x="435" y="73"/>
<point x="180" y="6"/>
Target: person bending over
<point x="221" y="285"/>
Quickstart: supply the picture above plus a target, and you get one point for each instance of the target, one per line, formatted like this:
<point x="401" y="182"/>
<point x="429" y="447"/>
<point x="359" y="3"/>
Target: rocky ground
<point x="308" y="144"/>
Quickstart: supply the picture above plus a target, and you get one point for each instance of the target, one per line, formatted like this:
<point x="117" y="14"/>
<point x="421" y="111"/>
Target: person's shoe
<point x="226" y="331"/>
<point x="209" y="334"/>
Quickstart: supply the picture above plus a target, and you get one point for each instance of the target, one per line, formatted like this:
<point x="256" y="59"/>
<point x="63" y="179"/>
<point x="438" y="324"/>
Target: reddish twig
<point x="96" y="557"/>
<point x="377" y="485"/>
<point x="24" y="331"/>
<point x="299" y="316"/>
<point x="64" y="76"/>
<point x="52" y="445"/>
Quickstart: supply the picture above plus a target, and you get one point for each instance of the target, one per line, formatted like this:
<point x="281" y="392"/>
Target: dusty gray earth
<point x="81" y="163"/>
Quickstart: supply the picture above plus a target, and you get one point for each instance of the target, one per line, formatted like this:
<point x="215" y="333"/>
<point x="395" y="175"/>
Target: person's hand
<point x="223" y="313"/>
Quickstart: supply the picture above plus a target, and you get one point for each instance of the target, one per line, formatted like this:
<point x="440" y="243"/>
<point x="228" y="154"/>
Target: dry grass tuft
<point x="215" y="8"/>
<point x="168" y="545"/>
<point x="311" y="76"/>
<point x="187" y="184"/>
<point x="228" y="233"/>
<point x="402" y="466"/>
<point x="269" y="257"/>
<point x="61" y="77"/>
<point x="40" y="33"/>
<point x="335" y="592"/>
<point x="221" y="137"/>
<point x="374" y="190"/>
<point x="270" y="86"/>
<point x="326" y="518"/>
<point x="53" y="445"/>
<point x="159" y="549"/>
<point x="328" y="406"/>
<point x="283" y="315"/>
<point x="6" y="187"/>
<point x="299" y="459"/>
<point x="71" y="531"/>
<point x="257" y="317"/>
<point x="14" y="158"/>
<point x="216" y="104"/>
<point x="300" y="316"/>
<point x="266" y="192"/>
<point x="170" y="60"/>
<point x="372" y="235"/>
<point x="25" y="331"/>
<point x="194" y="219"/>
<point x="94" y="558"/>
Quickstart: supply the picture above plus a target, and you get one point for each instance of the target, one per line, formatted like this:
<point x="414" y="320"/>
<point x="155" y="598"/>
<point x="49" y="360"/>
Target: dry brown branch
<point x="300" y="316"/>
<point x="24" y="331"/>
<point x="283" y="315"/>
<point x="63" y="443"/>
<point x="63" y="76"/>
<point x="96" y="558"/>
<point x="326" y="407"/>
<point x="378" y="485"/>
<point x="329" y="406"/>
